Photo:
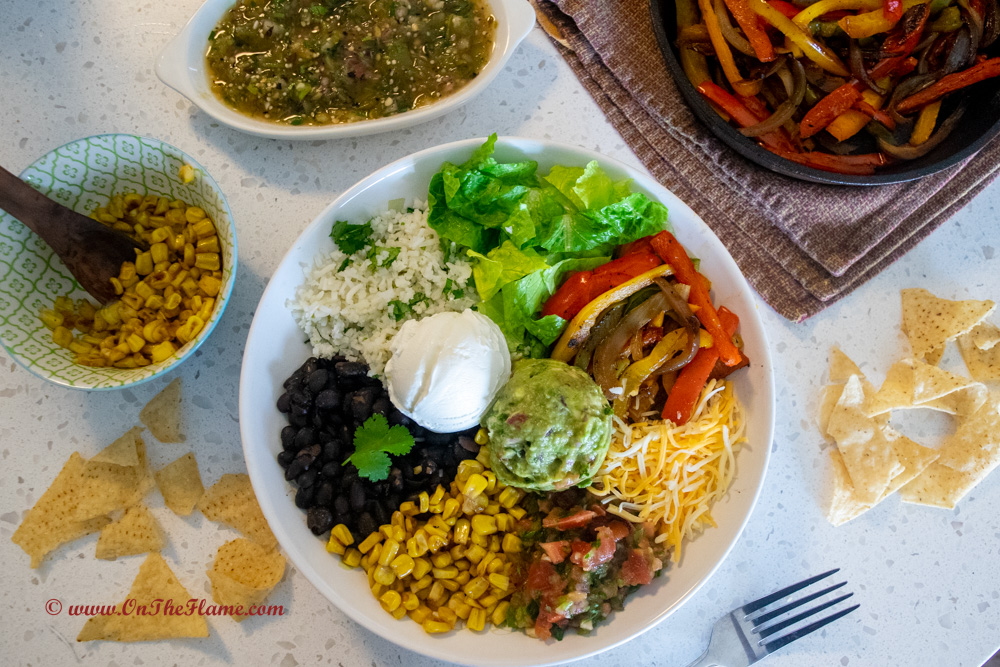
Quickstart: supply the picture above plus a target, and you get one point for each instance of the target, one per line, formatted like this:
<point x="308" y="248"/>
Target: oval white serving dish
<point x="276" y="347"/>
<point x="181" y="65"/>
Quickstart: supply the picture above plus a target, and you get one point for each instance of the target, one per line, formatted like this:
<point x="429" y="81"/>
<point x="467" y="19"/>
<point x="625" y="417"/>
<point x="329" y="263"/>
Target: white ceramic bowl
<point x="181" y="65"/>
<point x="276" y="347"/>
<point x="82" y="175"/>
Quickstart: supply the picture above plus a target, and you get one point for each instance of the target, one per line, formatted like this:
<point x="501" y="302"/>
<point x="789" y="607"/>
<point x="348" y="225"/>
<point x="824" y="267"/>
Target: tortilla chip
<point x="153" y="587"/>
<point x="163" y="415"/>
<point x="930" y="322"/>
<point x="180" y="484"/>
<point x="122" y="452"/>
<point x="930" y="382"/>
<point x="983" y="362"/>
<point x="108" y="487"/>
<point x="844" y="504"/>
<point x="831" y="395"/>
<point x="868" y="456"/>
<point x="231" y="501"/>
<point x="244" y="573"/>
<point x="896" y="391"/>
<point x="985" y="336"/>
<point x="136" y="532"/>
<point x="914" y="384"/>
<point x="914" y="457"/>
<point x="51" y="521"/>
<point x="975" y="445"/>
<point x="934" y="356"/>
<point x="841" y="366"/>
<point x="939" y="486"/>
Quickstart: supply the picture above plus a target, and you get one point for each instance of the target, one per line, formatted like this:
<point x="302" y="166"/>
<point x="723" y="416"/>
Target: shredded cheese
<point x="671" y="475"/>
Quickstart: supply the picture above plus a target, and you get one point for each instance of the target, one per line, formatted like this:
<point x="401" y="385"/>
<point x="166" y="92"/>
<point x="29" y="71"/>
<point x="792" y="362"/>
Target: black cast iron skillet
<point x="978" y="126"/>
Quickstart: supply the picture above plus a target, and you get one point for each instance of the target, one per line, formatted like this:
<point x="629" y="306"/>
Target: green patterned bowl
<point x="82" y="175"/>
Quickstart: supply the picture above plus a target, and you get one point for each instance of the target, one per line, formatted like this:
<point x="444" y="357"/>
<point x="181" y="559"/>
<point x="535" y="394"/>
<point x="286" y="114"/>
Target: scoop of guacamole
<point x="549" y="427"/>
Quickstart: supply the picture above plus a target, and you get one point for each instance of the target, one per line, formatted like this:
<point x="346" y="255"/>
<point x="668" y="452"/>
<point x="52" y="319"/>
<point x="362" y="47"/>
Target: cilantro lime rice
<point x="353" y="304"/>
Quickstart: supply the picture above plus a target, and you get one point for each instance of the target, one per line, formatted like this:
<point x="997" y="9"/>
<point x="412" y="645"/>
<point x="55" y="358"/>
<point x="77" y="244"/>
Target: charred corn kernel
<point x="468" y="468"/>
<point x="476" y="588"/>
<point x="144" y="264"/>
<point x="343" y="533"/>
<point x="483" y="524"/>
<point x="442" y="559"/>
<point x="483" y="457"/>
<point x="186" y="173"/>
<point x="390" y="548"/>
<point x="511" y="544"/>
<point x="390" y="601"/>
<point x="481" y="437"/>
<point x="410" y="601"/>
<point x="409" y="509"/>
<point x="476" y="620"/>
<point x="499" y="616"/>
<point x="435" y="543"/>
<point x="499" y="581"/>
<point x="509" y="497"/>
<point x="474" y="485"/>
<point x="421" y="566"/>
<point x="135" y="343"/>
<point x="384" y="575"/>
<point x="424" y="500"/>
<point x="159" y="252"/>
<point x="447" y="615"/>
<point x="208" y="244"/>
<point x="460" y="532"/>
<point x="335" y="546"/>
<point x="402" y="565"/>
<point x="162" y="351"/>
<point x="451" y="509"/>
<point x="420" y="614"/>
<point x="432" y="627"/>
<point x="517" y="512"/>
<point x="173" y="301"/>
<point x="422" y="583"/>
<point x="53" y="319"/>
<point x="437" y="593"/>
<point x="449" y="572"/>
<point x="207" y="261"/>
<point x="352" y="558"/>
<point x="369" y="542"/>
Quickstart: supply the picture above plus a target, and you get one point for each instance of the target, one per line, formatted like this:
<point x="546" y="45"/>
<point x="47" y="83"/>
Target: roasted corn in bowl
<point x="170" y="297"/>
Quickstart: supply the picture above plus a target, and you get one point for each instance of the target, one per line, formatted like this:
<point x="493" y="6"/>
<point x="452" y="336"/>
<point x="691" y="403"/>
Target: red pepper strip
<point x="858" y="165"/>
<point x="786" y="8"/>
<point x="893" y="9"/>
<point x="611" y="275"/>
<point x="879" y="115"/>
<point x="827" y="109"/>
<point x="894" y="66"/>
<point x="570" y="298"/>
<point x="673" y="253"/>
<point x="683" y="396"/>
<point x="642" y="245"/>
<point x="756" y="35"/>
<point x="949" y="84"/>
<point x="741" y="114"/>
<point x="906" y="36"/>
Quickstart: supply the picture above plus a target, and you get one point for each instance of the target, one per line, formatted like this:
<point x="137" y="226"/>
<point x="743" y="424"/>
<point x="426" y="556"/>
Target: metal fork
<point x="743" y="636"/>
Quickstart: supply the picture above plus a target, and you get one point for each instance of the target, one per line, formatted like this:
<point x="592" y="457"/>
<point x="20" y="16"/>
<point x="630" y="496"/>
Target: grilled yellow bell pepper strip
<point x="817" y="9"/>
<point x="812" y="49"/>
<point x="742" y="86"/>
<point x="874" y="22"/>
<point x="637" y="373"/>
<point x="852" y="121"/>
<point x="926" y="121"/>
<point x="693" y="63"/>
<point x="578" y="329"/>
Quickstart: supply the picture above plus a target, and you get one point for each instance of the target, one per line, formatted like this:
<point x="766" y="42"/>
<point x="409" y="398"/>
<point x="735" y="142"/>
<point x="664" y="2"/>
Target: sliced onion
<point x="605" y="325"/>
<point x="787" y="108"/>
<point x="975" y="22"/>
<point x="961" y="52"/>
<point x="907" y="152"/>
<point x="858" y="69"/>
<point x="610" y="351"/>
<point x="822" y="80"/>
<point x="635" y="345"/>
<point x="687" y="320"/>
<point x="907" y="87"/>
<point x="735" y="39"/>
<point x="991" y="23"/>
<point x="923" y="66"/>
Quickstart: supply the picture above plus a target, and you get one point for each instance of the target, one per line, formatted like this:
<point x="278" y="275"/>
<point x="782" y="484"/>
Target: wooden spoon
<point x="92" y="252"/>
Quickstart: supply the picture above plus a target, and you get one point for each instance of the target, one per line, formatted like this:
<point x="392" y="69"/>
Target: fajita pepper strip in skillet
<point x="824" y="7"/>
<point x="893" y="9"/>
<point x="724" y="53"/>
<point x="786" y="8"/>
<point x="949" y="84"/>
<point x="827" y="109"/>
<point x="683" y="396"/>
<point x="673" y="253"/>
<point x="747" y="20"/>
<point x="869" y="24"/>
<point x="858" y="165"/>
<point x="925" y="123"/>
<point x="812" y="49"/>
<point x="744" y="117"/>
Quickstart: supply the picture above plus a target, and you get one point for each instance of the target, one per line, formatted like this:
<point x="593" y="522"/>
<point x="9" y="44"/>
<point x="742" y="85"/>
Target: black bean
<point x="395" y="417"/>
<point x="328" y="399"/>
<point x="308" y="478"/>
<point x="299" y="418"/>
<point x="361" y="403"/>
<point x="304" y="497"/>
<point x="300" y="399"/>
<point x="316" y="381"/>
<point x="319" y="520"/>
<point x="284" y="402"/>
<point x="317" y="420"/>
<point x="396" y="480"/>
<point x="434" y="438"/>
<point x="287" y="436"/>
<point x="295" y="468"/>
<point x="350" y="370"/>
<point x="311" y="364"/>
<point x="366" y="525"/>
<point x="380" y="513"/>
<point x="346" y="434"/>
<point x="331" y="469"/>
<point x="294" y="379"/>
<point x="341" y="504"/>
<point x="430" y="467"/>
<point x="468" y="444"/>
<point x="357" y="496"/>
<point x="285" y="457"/>
<point x="305" y="437"/>
<point x="382" y="406"/>
<point x="324" y="494"/>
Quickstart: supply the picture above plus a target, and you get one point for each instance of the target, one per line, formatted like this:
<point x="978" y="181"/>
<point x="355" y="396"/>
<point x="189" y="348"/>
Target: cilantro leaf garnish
<point x="373" y="442"/>
<point x="350" y="238"/>
<point x="373" y="252"/>
<point x="399" y="309"/>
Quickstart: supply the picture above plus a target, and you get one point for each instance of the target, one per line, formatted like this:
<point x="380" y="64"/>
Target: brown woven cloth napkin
<point x="801" y="246"/>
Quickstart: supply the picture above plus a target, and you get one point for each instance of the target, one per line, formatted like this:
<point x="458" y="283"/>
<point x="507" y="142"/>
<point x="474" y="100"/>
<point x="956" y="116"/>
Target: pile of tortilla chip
<point x="106" y="493"/>
<point x="872" y="460"/>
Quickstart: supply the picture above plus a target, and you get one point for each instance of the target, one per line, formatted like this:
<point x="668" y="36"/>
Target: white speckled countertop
<point x="927" y="579"/>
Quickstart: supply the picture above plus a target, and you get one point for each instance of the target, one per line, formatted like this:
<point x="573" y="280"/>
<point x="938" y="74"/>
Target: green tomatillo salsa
<point x="316" y="62"/>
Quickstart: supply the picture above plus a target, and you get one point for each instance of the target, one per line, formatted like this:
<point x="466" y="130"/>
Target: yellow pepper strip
<point x="874" y="22"/>
<point x="817" y="9"/>
<point x="925" y="123"/>
<point x="578" y="329"/>
<point x="812" y="49"/>
<point x="638" y="372"/>
<point x="740" y="85"/>
<point x="849" y="123"/>
<point x="693" y="63"/>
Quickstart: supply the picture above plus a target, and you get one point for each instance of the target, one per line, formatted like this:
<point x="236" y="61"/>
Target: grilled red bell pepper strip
<point x="583" y="287"/>
<point x="858" y="165"/>
<point x="877" y="114"/>
<point x="905" y="37"/>
<point x="950" y="83"/>
<point x="683" y="396"/>
<point x="827" y="110"/>
<point x="893" y="9"/>
<point x="641" y="245"/>
<point x="571" y="297"/>
<point x="737" y="108"/>
<point x="786" y="8"/>
<point x="673" y="253"/>
<point x="756" y="35"/>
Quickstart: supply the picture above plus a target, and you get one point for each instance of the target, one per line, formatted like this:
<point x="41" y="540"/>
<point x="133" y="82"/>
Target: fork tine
<point x="773" y="646"/>
<point x="767" y="632"/>
<point x="764" y="618"/>
<point x="751" y="607"/>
